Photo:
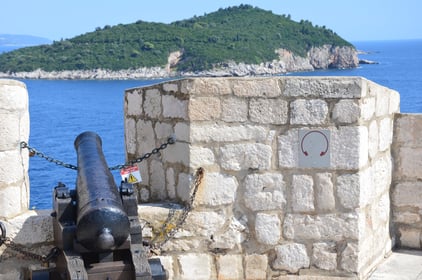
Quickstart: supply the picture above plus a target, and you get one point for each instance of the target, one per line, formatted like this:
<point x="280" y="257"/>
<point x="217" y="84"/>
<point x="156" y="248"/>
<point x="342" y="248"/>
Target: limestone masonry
<point x="304" y="177"/>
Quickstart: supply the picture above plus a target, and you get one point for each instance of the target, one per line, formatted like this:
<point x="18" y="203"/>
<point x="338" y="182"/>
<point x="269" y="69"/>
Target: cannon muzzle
<point x="102" y="223"/>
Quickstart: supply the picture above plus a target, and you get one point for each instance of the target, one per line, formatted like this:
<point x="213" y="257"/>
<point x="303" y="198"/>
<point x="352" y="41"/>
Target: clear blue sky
<point x="354" y="20"/>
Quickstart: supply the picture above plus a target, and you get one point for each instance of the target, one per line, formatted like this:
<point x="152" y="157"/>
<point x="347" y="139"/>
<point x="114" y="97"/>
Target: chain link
<point x="174" y="222"/>
<point x="34" y="152"/>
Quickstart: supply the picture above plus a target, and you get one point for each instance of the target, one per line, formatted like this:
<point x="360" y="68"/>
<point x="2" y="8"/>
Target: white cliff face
<point x="323" y="57"/>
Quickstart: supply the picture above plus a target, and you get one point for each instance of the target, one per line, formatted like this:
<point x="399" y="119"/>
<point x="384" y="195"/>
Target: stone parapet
<point x="14" y="128"/>
<point x="297" y="173"/>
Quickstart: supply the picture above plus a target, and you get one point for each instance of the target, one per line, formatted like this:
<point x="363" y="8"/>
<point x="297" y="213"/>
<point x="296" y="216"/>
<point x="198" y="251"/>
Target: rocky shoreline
<point x="323" y="57"/>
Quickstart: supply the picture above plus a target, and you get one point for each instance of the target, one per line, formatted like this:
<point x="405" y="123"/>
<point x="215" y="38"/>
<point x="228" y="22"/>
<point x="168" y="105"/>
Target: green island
<point x="241" y="34"/>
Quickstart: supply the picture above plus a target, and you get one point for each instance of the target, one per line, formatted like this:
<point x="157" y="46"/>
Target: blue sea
<point x="61" y="110"/>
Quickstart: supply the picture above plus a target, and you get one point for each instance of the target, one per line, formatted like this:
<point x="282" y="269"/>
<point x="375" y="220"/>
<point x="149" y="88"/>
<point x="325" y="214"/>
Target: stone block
<point x="157" y="181"/>
<point x="406" y="217"/>
<point x="170" y="87"/>
<point x="144" y="137"/>
<point x="182" y="132"/>
<point x="381" y="175"/>
<point x="10" y="130"/>
<point x="385" y="134"/>
<point x="348" y="190"/>
<point x="268" y="111"/>
<point x="229" y="267"/>
<point x="171" y="183"/>
<point x="237" y="157"/>
<point x="217" y="189"/>
<point x="324" y="192"/>
<point x="10" y="200"/>
<point x="13" y="96"/>
<point x="174" y="108"/>
<point x="349" y="258"/>
<point x="133" y="104"/>
<point x="349" y="147"/>
<point x="291" y="257"/>
<point x="163" y="131"/>
<point x="177" y="153"/>
<point x="367" y="108"/>
<point x="204" y="223"/>
<point x="335" y="227"/>
<point x="288" y="149"/>
<point x="308" y="112"/>
<point x="152" y="103"/>
<point x="201" y="157"/>
<point x="206" y="86"/>
<point x="196" y="266"/>
<point x="408" y="163"/>
<point x="11" y="168"/>
<point x="323" y="87"/>
<point x="234" y="110"/>
<point x="204" y="108"/>
<point x="373" y="138"/>
<point x="394" y="106"/>
<point x="130" y="136"/>
<point x="265" y="192"/>
<point x="183" y="188"/>
<point x="267" y="228"/>
<point x="256" y="267"/>
<point x="259" y="87"/>
<point x="408" y="130"/>
<point x="302" y="193"/>
<point x="231" y="237"/>
<point x="324" y="256"/>
<point x="222" y="133"/>
<point x="407" y="194"/>
<point x="410" y="237"/>
<point x="346" y="111"/>
<point x="382" y="104"/>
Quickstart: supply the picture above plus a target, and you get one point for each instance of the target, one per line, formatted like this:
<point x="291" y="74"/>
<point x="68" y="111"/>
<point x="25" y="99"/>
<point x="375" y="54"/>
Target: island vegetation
<point x="242" y="34"/>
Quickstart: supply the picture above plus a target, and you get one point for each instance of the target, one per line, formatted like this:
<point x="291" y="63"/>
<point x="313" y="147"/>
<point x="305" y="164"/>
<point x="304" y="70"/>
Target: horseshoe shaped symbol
<point x="323" y="152"/>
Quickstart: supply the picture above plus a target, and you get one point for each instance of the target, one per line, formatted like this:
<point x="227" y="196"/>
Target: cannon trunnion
<point x="96" y="226"/>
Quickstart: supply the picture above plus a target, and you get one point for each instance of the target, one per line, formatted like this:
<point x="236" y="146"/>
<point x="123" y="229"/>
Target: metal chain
<point x="170" y="140"/>
<point x="9" y="243"/>
<point x="34" y="152"/>
<point x="172" y="224"/>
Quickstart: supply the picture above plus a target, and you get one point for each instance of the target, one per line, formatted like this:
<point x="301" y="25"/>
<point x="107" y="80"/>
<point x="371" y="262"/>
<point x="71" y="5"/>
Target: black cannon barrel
<point x="102" y="223"/>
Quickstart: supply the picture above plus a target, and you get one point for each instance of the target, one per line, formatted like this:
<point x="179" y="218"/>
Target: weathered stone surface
<point x="406" y="217"/>
<point x="407" y="194"/>
<point x="201" y="157"/>
<point x="349" y="147"/>
<point x="9" y="130"/>
<point x="231" y="237"/>
<point x="204" y="223"/>
<point x="133" y="104"/>
<point x="302" y="193"/>
<point x="346" y="111"/>
<point x="206" y="86"/>
<point x="265" y="192"/>
<point x="410" y="237"/>
<point x="171" y="183"/>
<point x="367" y="108"/>
<point x="177" y="153"/>
<point x="229" y="267"/>
<point x="288" y="149"/>
<point x="349" y="258"/>
<point x="174" y="107"/>
<point x="10" y="200"/>
<point x="13" y="95"/>
<point x="223" y="133"/>
<point x="152" y="104"/>
<point x="170" y="87"/>
<point x="324" y="192"/>
<point x="410" y="167"/>
<point x="259" y="87"/>
<point x="234" y="109"/>
<point x="157" y="181"/>
<point x="382" y="104"/>
<point x="385" y="134"/>
<point x="204" y="108"/>
<point x="196" y="266"/>
<point x="145" y="143"/>
<point x="11" y="169"/>
<point x="323" y="87"/>
<point x="303" y="111"/>
<point x="182" y="132"/>
<point x="130" y="135"/>
<point x="291" y="257"/>
<point x="348" y="190"/>
<point x="256" y="267"/>
<point x="217" y="189"/>
<point x="324" y="256"/>
<point x="268" y="111"/>
<point x="334" y="227"/>
<point x="244" y="156"/>
<point x="267" y="228"/>
<point x="163" y="131"/>
<point x="373" y="138"/>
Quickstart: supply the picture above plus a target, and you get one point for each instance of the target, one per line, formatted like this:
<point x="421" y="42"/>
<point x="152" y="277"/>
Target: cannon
<point x="96" y="226"/>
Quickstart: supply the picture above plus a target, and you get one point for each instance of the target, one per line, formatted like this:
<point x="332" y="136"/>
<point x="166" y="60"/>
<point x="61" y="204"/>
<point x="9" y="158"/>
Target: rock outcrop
<point x="324" y="57"/>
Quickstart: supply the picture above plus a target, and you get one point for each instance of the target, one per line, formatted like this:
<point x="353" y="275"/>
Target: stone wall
<point x="297" y="174"/>
<point x="14" y="128"/>
<point x="407" y="187"/>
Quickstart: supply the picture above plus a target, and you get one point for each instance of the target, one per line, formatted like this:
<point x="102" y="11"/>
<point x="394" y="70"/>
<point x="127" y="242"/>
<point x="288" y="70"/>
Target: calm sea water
<point x="61" y="110"/>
